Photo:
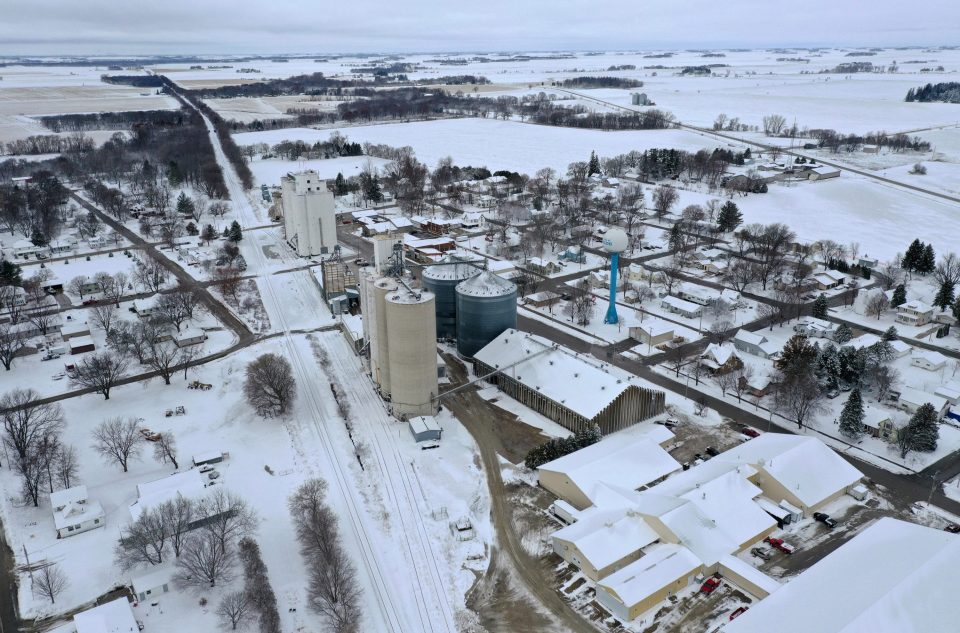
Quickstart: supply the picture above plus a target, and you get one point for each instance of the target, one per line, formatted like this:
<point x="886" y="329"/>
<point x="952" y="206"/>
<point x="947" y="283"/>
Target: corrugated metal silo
<point x="441" y="279"/>
<point x="486" y="306"/>
<point x="411" y="338"/>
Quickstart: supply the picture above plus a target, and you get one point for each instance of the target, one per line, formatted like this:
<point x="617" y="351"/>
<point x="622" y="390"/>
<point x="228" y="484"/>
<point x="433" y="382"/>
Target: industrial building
<point x="441" y="279"/>
<point x="575" y="390"/>
<point x="486" y="307"/>
<point x="643" y="543"/>
<point x="384" y="246"/>
<point x="338" y="285"/>
<point x="309" y="220"/>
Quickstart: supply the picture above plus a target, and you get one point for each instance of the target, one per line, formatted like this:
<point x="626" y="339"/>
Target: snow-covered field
<point x="268" y="172"/>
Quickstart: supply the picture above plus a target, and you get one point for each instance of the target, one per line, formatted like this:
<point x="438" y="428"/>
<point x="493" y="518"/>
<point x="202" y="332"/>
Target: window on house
<point x="96" y="521"/>
<point x="69" y="528"/>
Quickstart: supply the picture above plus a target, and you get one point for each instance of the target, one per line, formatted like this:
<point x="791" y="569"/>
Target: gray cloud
<point x="35" y="27"/>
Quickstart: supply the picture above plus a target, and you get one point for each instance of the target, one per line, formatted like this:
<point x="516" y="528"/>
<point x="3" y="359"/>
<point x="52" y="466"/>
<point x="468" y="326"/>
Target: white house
<point x="912" y="399"/>
<point x="74" y="513"/>
<point x="720" y="359"/>
<point x="652" y="331"/>
<point x="189" y="336"/>
<point x="815" y="328"/>
<point x="153" y="583"/>
<point x="681" y="307"/>
<point x="914" y="313"/>
<point x="829" y="279"/>
<point x="928" y="359"/>
<point x="112" y="617"/>
<point x="754" y="343"/>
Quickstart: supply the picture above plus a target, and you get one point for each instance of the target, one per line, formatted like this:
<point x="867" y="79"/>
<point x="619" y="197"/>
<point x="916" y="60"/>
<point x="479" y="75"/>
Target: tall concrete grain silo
<point x="412" y="351"/>
<point x="486" y="306"/>
<point x="379" y="346"/>
<point x="441" y="279"/>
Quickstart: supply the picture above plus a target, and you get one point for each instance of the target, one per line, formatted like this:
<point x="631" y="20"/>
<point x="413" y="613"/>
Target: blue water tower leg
<point x="612" y="309"/>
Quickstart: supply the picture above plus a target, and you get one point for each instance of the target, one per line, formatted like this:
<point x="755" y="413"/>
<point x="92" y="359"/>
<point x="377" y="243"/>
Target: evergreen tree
<point x="173" y="174"/>
<point x="594" y="166"/>
<point x="10" y="274"/>
<point x="676" y="238"/>
<point x="911" y="259"/>
<point x="37" y="238"/>
<point x="339" y="185"/>
<point x="208" y="234"/>
<point x="851" y="417"/>
<point x="843" y="334"/>
<point x="185" y="205"/>
<point x="235" y="234"/>
<point x="890" y="334"/>
<point x="928" y="261"/>
<point x="899" y="296"/>
<point x="945" y="296"/>
<point x="921" y="433"/>
<point x="729" y="217"/>
<point x="798" y="355"/>
<point x="829" y="364"/>
<point x="820" y="306"/>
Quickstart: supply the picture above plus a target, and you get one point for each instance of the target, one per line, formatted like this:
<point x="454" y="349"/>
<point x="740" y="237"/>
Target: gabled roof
<point x="68" y="495"/>
<point x="606" y="536"/>
<point x="74" y="513"/>
<point x="893" y="577"/>
<point x="112" y="617"/>
<point x="188" y="484"/>
<point x="663" y="564"/>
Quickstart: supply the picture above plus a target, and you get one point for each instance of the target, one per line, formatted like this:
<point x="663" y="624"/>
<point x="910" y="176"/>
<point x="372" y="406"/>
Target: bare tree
<point x="877" y="303"/>
<point x="741" y="380"/>
<point x="885" y="377"/>
<point x="171" y="309"/>
<point x="726" y="381"/>
<point x="163" y="358"/>
<point x="66" y="467"/>
<point x="228" y="281"/>
<point x="150" y="274"/>
<point x="664" y="197"/>
<point x="177" y="516"/>
<point x="27" y="420"/>
<point x="204" y="561"/>
<point x="741" y="274"/>
<point x="78" y="285"/>
<point x="234" y="610"/>
<point x="799" y="397"/>
<point x="12" y="343"/>
<point x="257" y="586"/>
<point x="118" y="439"/>
<point x="165" y="450"/>
<point x="269" y="386"/>
<point x="227" y="517"/>
<point x="143" y="541"/>
<point x="49" y="582"/>
<point x="105" y="317"/>
<point x="773" y="124"/>
<point x="677" y="360"/>
<point x="33" y="468"/>
<point x="119" y="288"/>
<point x="99" y="372"/>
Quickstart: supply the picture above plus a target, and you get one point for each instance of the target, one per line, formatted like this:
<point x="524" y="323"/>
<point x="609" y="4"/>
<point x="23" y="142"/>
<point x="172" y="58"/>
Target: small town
<point x="561" y="321"/>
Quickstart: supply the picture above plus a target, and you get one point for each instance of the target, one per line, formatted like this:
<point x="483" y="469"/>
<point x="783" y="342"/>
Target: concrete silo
<point x="379" y="347"/>
<point x="412" y="351"/>
<point x="486" y="306"/>
<point x="441" y="279"/>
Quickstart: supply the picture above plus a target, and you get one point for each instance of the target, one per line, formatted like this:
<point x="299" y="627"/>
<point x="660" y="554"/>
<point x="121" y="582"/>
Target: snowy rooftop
<point x="930" y="356"/>
<point x="917" y="398"/>
<point x="76" y="513"/>
<point x="406" y="297"/>
<point x="680" y="304"/>
<point x="629" y="464"/>
<point x="424" y="423"/>
<point x="662" y="565"/>
<point x="189" y="484"/>
<point x="606" y="536"/>
<point x="450" y="268"/>
<point x="153" y="578"/>
<point x="112" y="617"/>
<point x="68" y="495"/>
<point x="719" y="354"/>
<point x="578" y="382"/>
<point x="751" y="573"/>
<point x="803" y="465"/>
<point x="652" y="326"/>
<point x="486" y="284"/>
<point x="893" y="577"/>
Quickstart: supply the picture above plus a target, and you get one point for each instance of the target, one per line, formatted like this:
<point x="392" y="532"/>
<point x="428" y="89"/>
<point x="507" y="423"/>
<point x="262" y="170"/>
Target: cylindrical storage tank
<point x="441" y="279"/>
<point x="486" y="306"/>
<point x="379" y="350"/>
<point x="411" y="337"/>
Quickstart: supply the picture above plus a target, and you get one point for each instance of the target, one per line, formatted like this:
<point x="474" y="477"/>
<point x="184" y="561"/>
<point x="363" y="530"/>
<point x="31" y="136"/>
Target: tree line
<point x="601" y="82"/>
<point x="945" y="92"/>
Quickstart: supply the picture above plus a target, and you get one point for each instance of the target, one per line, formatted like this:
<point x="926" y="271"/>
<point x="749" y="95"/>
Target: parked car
<point x="710" y="585"/>
<point x="738" y="612"/>
<point x="566" y="296"/>
<point x="779" y="544"/>
<point x="953" y="528"/>
<point x="712" y="452"/>
<point x="825" y="519"/>
<point x="750" y="432"/>
<point x="761" y="553"/>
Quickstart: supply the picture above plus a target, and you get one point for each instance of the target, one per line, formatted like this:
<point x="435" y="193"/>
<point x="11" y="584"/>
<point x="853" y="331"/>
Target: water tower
<point x="614" y="242"/>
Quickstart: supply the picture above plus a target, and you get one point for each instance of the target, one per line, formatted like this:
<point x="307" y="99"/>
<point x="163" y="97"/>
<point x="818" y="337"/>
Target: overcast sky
<point x="56" y="27"/>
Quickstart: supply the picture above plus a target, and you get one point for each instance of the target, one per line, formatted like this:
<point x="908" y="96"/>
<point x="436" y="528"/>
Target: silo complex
<point x="410" y="323"/>
<point x="379" y="348"/>
<point x="441" y="279"/>
<point x="486" y="306"/>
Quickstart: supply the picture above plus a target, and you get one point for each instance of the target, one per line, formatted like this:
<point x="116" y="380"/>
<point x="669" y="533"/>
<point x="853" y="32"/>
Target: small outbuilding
<point x="82" y="344"/>
<point x="153" y="583"/>
<point x="425" y="428"/>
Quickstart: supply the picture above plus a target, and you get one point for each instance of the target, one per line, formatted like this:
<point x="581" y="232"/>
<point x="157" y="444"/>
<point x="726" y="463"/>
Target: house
<point x="631" y="464"/>
<point x="815" y="328"/>
<point x="25" y="249"/>
<point x="189" y="484"/>
<point x="821" y="172"/>
<point x="652" y="331"/>
<point x="154" y="583"/>
<point x="899" y="348"/>
<point x="638" y="272"/>
<point x="542" y="299"/>
<point x="866" y="261"/>
<point x="871" y="149"/>
<point x="601" y="279"/>
<point x="425" y="428"/>
<point x="74" y="513"/>
<point x="611" y="182"/>
<point x="542" y="266"/>
<point x="928" y="359"/>
<point x="864" y="341"/>
<point x="575" y="390"/>
<point x="81" y="344"/>
<point x="949" y="391"/>
<point x="143" y="308"/>
<point x="13" y="297"/>
<point x="189" y="336"/>
<point x="758" y="385"/>
<point x="62" y="246"/>
<point x="113" y="617"/>
<point x="208" y="458"/>
<point x="720" y="359"/>
<point x="74" y="329"/>
<point x="755" y="344"/>
<point x="681" y="307"/>
<point x="472" y="220"/>
<point x="879" y="423"/>
<point x="573" y="254"/>
<point x="898" y="568"/>
<point x="912" y="399"/>
<point x="829" y="279"/>
<point x="914" y="313"/>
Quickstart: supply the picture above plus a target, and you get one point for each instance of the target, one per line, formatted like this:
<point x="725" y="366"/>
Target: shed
<point x="425" y="428"/>
<point x="82" y="344"/>
<point x="153" y="583"/>
<point x="208" y="457"/>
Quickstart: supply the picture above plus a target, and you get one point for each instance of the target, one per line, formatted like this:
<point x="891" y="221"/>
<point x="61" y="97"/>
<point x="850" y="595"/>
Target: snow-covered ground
<point x="268" y="172"/>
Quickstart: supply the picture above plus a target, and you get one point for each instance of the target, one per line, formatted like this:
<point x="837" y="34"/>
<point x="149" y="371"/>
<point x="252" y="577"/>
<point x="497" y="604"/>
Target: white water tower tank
<point x="615" y="240"/>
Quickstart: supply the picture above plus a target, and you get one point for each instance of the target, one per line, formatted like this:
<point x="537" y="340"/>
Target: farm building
<point x="895" y="591"/>
<point x="572" y="389"/>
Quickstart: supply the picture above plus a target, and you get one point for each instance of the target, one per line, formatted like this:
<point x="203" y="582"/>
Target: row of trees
<point x="560" y="446"/>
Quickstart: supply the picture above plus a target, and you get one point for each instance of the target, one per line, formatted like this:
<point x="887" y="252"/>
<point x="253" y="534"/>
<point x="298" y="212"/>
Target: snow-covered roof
<point x="626" y="463"/>
<point x="751" y="338"/>
<point x="543" y="295"/>
<point x="917" y="398"/>
<point x="112" y="617"/>
<point x="606" y="536"/>
<point x="930" y="356"/>
<point x="74" y="513"/>
<point x="817" y="324"/>
<point x="576" y="381"/>
<point x="874" y="416"/>
<point x="893" y="577"/>
<point x="750" y="573"/>
<point x="68" y="495"/>
<point x="899" y="347"/>
<point x="188" y="484"/>
<point x="719" y="354"/>
<point x="155" y="577"/>
<point x="662" y="565"/>
<point x="81" y="341"/>
<point x="680" y="304"/>
<point x="423" y="423"/>
<point x="72" y="328"/>
<point x="486" y="284"/>
<point x="803" y="465"/>
<point x="653" y="326"/>
<point x="915" y="306"/>
<point x="864" y="340"/>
